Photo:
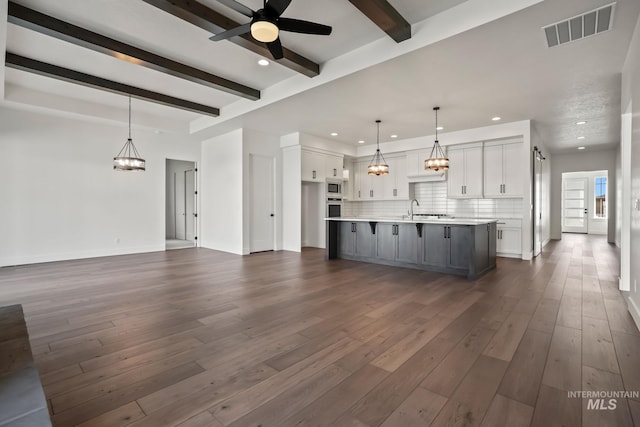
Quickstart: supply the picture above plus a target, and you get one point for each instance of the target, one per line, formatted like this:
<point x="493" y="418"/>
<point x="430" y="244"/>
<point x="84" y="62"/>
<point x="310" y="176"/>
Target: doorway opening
<point x="585" y="202"/>
<point x="181" y="194"/>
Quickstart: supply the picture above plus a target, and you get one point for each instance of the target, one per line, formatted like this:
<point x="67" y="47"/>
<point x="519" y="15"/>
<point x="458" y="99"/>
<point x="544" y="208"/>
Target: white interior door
<point x="262" y="229"/>
<point x="574" y="205"/>
<point x="190" y="191"/>
<point x="179" y="204"/>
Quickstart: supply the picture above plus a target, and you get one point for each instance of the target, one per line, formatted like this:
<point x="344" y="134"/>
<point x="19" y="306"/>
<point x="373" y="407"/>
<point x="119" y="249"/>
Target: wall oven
<point x="334" y="207"/>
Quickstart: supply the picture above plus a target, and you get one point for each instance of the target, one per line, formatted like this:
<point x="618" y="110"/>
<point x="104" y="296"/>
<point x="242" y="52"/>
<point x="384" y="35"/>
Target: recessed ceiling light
<point x="361" y="142"/>
<point x="581" y="137"/>
<point x="334" y="134"/>
<point x="581" y="122"/>
<point x="580" y="148"/>
<point x="439" y="128"/>
<point x="263" y="62"/>
<point x="394" y="136"/>
<point x="496" y="118"/>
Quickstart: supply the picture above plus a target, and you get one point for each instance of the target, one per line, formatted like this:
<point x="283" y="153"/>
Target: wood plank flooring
<point x="196" y="337"/>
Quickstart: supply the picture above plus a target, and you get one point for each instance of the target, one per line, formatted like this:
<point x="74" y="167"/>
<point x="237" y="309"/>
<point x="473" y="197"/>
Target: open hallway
<point x="203" y="338"/>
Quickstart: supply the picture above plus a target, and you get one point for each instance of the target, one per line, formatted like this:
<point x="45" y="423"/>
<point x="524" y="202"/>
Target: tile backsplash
<point x="432" y="197"/>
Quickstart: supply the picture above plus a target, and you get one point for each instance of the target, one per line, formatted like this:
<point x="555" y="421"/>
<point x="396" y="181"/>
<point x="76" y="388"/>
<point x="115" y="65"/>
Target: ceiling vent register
<point x="586" y="25"/>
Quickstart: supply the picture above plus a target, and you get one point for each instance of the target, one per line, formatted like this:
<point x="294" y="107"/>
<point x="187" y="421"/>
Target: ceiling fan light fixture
<point x="378" y="165"/>
<point x="264" y="31"/>
<point x="437" y="161"/>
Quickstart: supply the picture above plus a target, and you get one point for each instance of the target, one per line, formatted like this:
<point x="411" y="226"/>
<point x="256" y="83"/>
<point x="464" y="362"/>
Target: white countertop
<point x="396" y="220"/>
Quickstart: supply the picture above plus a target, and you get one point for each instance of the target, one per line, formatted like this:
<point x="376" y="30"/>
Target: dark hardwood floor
<point x="196" y="337"/>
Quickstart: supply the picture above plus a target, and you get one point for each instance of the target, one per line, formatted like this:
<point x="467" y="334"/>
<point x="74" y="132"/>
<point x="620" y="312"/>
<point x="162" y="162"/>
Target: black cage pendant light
<point x="128" y="159"/>
<point x="378" y="165"/>
<point x="437" y="161"/>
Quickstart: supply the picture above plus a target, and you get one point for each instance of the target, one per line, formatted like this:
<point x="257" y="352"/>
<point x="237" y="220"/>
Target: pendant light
<point x="128" y="159"/>
<point x="378" y="166"/>
<point x="437" y="160"/>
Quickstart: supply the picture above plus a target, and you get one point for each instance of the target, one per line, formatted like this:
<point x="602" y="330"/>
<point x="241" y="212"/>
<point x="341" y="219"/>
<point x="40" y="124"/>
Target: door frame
<point x="595" y="226"/>
<point x="196" y="200"/>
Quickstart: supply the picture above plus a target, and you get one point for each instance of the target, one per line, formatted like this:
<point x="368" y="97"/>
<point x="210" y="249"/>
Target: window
<point x="600" y="196"/>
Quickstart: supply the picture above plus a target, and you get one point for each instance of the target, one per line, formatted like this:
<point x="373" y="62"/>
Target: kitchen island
<point x="465" y="247"/>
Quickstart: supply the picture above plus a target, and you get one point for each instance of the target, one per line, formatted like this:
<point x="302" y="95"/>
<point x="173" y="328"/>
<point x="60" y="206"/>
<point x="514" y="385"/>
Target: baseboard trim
<point x="67" y="256"/>
<point x="633" y="309"/>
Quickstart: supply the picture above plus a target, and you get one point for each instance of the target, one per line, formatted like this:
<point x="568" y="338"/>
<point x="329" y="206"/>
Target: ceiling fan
<point x="266" y="24"/>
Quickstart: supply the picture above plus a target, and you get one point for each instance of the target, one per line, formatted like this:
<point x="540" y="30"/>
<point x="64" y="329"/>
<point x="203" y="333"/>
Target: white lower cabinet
<point x="509" y="238"/>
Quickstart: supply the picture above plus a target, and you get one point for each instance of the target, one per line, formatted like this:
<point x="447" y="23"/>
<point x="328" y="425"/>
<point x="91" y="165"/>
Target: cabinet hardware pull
<point x="449" y="232"/>
<point x="370" y="193"/>
<point x="314" y="174"/>
<point x="445" y="232"/>
<point x="358" y="194"/>
<point x="395" y="192"/>
<point x="335" y="172"/>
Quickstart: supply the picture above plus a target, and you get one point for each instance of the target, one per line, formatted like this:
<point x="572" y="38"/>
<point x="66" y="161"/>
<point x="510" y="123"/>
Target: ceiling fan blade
<point x="275" y="47"/>
<point x="232" y="32"/>
<point x="277" y="7"/>
<point x="305" y="27"/>
<point x="238" y="7"/>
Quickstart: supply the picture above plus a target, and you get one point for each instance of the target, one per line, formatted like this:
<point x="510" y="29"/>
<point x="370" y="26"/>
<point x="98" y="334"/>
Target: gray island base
<point x="465" y="247"/>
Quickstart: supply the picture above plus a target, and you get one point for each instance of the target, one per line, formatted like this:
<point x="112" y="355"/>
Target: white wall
<point x="60" y="198"/>
<point x="221" y="183"/>
<point x="579" y="162"/>
<point x="631" y="94"/>
<point x="291" y="201"/>
<point x="312" y="215"/>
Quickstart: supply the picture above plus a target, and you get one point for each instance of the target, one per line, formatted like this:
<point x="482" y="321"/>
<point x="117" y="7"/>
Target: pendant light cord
<point x="378" y="136"/>
<point x="129" y="116"/>
<point x="436" y="124"/>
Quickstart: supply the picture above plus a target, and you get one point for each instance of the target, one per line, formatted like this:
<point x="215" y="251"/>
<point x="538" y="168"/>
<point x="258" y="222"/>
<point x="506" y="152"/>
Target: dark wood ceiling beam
<point x="214" y="22"/>
<point x="386" y="17"/>
<point x="49" y="70"/>
<point x="36" y="21"/>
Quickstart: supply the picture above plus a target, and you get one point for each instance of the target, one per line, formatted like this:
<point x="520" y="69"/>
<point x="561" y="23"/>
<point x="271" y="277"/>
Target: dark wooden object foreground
<point x="22" y="401"/>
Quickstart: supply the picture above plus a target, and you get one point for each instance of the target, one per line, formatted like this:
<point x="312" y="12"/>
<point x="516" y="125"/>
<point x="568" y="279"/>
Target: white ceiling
<point x="500" y="68"/>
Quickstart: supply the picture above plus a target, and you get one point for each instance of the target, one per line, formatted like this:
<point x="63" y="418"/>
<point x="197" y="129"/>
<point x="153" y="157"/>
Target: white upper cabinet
<point x="333" y="167"/>
<point x="393" y="186"/>
<point x="313" y="168"/>
<point x="503" y="169"/>
<point x="371" y="186"/>
<point x="415" y="167"/>
<point x="317" y="167"/>
<point x="465" y="171"/>
<point x="396" y="185"/>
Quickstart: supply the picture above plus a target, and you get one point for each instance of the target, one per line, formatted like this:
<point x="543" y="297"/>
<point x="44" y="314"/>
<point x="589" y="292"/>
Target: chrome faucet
<point x="411" y="208"/>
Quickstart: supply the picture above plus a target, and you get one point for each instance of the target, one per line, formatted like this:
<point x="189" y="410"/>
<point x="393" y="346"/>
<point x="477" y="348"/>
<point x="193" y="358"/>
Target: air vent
<point x="581" y="26"/>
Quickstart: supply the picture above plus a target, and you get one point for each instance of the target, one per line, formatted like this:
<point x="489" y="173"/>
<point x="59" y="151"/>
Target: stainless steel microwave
<point x="334" y="188"/>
